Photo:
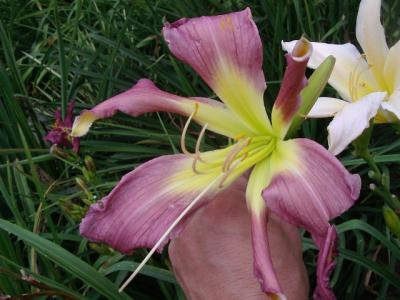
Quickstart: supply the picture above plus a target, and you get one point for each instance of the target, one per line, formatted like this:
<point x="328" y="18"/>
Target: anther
<point x="239" y="136"/>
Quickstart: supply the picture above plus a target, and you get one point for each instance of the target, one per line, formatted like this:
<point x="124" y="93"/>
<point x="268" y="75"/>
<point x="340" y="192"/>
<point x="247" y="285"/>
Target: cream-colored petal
<point x="350" y="77"/>
<point x="350" y="122"/>
<point x="394" y="99"/>
<point x="392" y="68"/>
<point x="371" y="36"/>
<point x="390" y="110"/>
<point x="326" y="107"/>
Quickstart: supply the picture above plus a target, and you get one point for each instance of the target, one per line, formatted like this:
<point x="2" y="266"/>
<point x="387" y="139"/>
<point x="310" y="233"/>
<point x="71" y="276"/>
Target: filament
<point x="354" y="78"/>
<point x="226" y="175"/>
<point x="234" y="154"/>
<point x="185" y="128"/>
<point x="168" y="231"/>
<point x="198" y="142"/>
<point x="252" y="157"/>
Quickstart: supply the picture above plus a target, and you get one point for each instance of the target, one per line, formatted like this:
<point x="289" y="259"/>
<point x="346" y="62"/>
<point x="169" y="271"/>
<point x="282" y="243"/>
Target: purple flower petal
<point x="294" y="80"/>
<point x="263" y="265"/>
<point x="326" y="265"/>
<point x="311" y="190"/>
<point x="226" y="51"/>
<point x="69" y="117"/>
<point x="145" y="203"/>
<point x="212" y="256"/>
<point x="145" y="97"/>
<point x="315" y="191"/>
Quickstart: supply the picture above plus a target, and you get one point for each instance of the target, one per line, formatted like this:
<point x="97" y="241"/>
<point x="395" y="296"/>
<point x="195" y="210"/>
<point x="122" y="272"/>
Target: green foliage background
<point x="55" y="51"/>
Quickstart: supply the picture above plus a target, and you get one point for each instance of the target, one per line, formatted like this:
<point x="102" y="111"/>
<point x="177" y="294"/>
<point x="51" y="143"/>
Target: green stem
<point x="382" y="189"/>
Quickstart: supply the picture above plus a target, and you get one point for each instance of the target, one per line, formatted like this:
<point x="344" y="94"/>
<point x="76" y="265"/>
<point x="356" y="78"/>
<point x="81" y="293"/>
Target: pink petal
<point x="226" y="51"/>
<point x="75" y="144"/>
<point x="326" y="265"/>
<point x="294" y="80"/>
<point x="212" y="257"/>
<point x="69" y="117"/>
<point x="202" y="42"/>
<point x="144" y="204"/>
<point x="313" y="193"/>
<point x="145" y="97"/>
<point x="58" y="120"/>
<point x="263" y="265"/>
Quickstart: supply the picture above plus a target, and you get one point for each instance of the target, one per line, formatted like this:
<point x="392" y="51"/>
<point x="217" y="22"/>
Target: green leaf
<point x="66" y="260"/>
<point x="373" y="266"/>
<point x="361" y="225"/>
<point x="151" y="271"/>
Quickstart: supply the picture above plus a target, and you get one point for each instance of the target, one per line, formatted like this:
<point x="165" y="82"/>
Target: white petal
<point x="326" y="107"/>
<point x="351" y="121"/>
<point x="392" y="69"/>
<point x="371" y="36"/>
<point x="350" y="77"/>
<point x="390" y="112"/>
<point x="391" y="108"/>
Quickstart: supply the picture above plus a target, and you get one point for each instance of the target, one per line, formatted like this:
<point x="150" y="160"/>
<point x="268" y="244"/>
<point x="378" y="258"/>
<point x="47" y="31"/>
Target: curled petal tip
<point x="82" y="123"/>
<point x="302" y="50"/>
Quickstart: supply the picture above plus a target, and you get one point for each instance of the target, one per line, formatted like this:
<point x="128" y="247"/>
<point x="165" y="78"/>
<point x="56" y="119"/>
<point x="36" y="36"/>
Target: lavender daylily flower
<point x="297" y="180"/>
<point x="60" y="133"/>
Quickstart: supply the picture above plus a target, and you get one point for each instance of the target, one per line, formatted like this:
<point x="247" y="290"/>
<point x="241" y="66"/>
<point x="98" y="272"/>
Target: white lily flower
<point x="368" y="84"/>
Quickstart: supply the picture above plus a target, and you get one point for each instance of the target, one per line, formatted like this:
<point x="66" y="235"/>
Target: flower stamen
<point x="185" y="128"/>
<point x="198" y="142"/>
<point x="354" y="78"/>
<point x="232" y="155"/>
<point x="228" y="172"/>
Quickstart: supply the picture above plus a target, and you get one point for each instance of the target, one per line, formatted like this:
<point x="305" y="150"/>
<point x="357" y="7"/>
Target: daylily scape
<point x="368" y="83"/>
<point x="297" y="180"/>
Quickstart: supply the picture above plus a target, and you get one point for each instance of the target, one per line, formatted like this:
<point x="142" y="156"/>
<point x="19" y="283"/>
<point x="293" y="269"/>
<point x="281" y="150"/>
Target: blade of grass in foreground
<point x="59" y="289"/>
<point x="66" y="260"/>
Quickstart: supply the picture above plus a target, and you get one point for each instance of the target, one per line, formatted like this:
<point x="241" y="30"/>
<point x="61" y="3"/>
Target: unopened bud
<point x="57" y="151"/>
<point x="371" y="174"/>
<point x="372" y="186"/>
<point x="79" y="181"/>
<point x="101" y="248"/>
<point x="89" y="163"/>
<point x="87" y="174"/>
<point x="392" y="220"/>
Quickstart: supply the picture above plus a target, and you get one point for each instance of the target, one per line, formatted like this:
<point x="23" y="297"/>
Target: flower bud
<point x="89" y="163"/>
<point x="392" y="220"/>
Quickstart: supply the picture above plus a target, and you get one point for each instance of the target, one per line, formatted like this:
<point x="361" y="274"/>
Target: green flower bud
<point x="392" y="220"/>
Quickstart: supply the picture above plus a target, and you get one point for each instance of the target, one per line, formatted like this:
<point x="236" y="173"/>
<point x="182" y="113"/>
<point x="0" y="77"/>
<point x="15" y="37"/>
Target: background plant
<point x="52" y="52"/>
